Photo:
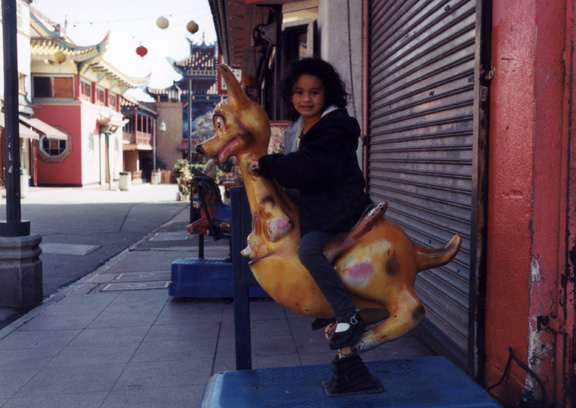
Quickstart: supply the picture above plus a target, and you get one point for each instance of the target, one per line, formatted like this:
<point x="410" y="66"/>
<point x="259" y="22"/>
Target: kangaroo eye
<point x="219" y="122"/>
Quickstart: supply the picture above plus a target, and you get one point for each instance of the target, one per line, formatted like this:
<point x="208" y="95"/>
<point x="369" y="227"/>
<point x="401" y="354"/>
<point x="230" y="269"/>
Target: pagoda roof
<point x="202" y="61"/>
<point x="48" y="39"/>
<point x="130" y="106"/>
<point x="200" y="86"/>
<point x="105" y="70"/>
<point x="201" y="66"/>
<point x="44" y="49"/>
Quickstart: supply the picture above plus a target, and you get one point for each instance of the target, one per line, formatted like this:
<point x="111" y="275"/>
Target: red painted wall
<point x="509" y="190"/>
<point x="527" y="183"/>
<point x="69" y="172"/>
<point x="549" y="186"/>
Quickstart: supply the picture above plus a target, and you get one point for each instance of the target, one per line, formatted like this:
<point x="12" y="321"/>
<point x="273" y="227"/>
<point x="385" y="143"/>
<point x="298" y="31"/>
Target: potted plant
<point x="183" y="177"/>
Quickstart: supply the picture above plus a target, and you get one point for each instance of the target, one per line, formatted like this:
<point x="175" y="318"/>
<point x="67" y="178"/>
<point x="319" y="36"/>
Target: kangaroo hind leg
<point x="405" y="314"/>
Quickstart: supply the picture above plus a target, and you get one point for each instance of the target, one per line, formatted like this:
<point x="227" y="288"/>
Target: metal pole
<point x="190" y="118"/>
<point x="13" y="226"/>
<point x="154" y="148"/>
<point x="108" y="153"/>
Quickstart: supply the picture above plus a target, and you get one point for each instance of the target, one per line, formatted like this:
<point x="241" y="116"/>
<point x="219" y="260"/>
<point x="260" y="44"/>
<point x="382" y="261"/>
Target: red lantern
<point x="142" y="51"/>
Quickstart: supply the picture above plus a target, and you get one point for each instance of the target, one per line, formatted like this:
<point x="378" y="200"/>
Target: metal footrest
<point x="204" y="278"/>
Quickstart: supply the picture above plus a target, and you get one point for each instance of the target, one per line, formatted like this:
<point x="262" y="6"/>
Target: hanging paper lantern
<point x="142" y="51"/>
<point x="192" y="27"/>
<point x="59" y="57"/>
<point x="162" y="22"/>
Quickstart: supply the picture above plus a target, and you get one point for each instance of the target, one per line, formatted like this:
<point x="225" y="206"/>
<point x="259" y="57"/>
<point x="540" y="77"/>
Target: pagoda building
<point x="77" y="91"/>
<point x="194" y="96"/>
<point x="30" y="128"/>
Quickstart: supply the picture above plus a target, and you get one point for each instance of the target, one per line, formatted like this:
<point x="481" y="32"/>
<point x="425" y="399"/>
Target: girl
<point x="325" y="170"/>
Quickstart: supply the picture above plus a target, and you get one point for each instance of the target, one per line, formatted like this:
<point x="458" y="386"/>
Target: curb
<point x="62" y="293"/>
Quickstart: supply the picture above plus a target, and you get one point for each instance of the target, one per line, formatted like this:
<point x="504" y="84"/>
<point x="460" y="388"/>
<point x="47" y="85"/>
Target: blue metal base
<point x="418" y="383"/>
<point x="205" y="278"/>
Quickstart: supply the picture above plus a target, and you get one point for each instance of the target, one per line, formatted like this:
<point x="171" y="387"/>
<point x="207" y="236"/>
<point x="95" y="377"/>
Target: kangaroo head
<point x="241" y="125"/>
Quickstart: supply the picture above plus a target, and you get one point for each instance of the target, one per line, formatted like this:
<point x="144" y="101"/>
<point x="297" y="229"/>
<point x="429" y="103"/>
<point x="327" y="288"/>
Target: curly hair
<point x="334" y="88"/>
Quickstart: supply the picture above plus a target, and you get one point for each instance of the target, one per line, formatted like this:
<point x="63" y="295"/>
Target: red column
<point x="528" y="189"/>
<point x="77" y="89"/>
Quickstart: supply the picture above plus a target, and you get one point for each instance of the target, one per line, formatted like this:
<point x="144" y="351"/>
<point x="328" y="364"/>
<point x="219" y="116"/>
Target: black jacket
<point x="325" y="169"/>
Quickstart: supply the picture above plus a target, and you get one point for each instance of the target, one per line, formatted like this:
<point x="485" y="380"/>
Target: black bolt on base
<point x="351" y="376"/>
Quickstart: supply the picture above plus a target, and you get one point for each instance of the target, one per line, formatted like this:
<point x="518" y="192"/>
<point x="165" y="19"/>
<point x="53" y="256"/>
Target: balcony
<point x="137" y="140"/>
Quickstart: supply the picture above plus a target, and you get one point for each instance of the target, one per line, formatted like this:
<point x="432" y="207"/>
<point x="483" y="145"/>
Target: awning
<point x="25" y="133"/>
<point x="44" y="128"/>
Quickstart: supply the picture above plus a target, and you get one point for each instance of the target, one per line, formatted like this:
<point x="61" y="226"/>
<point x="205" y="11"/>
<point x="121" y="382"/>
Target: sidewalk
<point x="82" y="228"/>
<point x="116" y="339"/>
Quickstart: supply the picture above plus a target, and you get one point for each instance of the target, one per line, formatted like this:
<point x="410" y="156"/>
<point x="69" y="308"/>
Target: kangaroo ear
<point x="235" y="93"/>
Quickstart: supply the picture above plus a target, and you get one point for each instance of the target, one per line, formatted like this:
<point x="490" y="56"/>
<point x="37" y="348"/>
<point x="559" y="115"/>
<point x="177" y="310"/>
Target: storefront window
<point x="86" y="91"/>
<point x="112" y="100"/>
<point x="53" y="87"/>
<point x="100" y="96"/>
<point x="53" y="147"/>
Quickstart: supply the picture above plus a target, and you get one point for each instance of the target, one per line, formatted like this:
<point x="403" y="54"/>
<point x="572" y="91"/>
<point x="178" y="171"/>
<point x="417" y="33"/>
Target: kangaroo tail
<point x="431" y="258"/>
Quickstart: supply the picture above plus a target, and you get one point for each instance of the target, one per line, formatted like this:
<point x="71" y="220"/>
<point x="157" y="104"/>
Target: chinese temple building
<point x="194" y="98"/>
<point x="75" y="90"/>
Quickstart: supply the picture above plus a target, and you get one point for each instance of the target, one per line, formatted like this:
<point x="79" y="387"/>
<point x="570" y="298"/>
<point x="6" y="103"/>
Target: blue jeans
<point x="311" y="256"/>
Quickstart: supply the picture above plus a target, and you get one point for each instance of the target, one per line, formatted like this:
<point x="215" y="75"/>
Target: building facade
<point x="140" y="139"/>
<point x="31" y="129"/>
<point x="186" y="107"/>
<point x="77" y="91"/>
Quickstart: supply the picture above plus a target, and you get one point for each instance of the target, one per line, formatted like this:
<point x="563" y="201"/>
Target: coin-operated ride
<point x="376" y="260"/>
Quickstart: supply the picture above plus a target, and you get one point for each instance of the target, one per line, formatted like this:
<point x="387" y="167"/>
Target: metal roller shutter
<point x="421" y="147"/>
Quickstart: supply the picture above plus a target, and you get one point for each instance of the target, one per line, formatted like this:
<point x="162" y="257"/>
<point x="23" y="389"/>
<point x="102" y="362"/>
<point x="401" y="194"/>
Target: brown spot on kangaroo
<point x="392" y="266"/>
<point x="418" y="313"/>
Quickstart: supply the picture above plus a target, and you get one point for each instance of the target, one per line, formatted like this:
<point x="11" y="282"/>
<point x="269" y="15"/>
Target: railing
<point x="144" y="138"/>
<point x="129" y="137"/>
<point x="140" y="138"/>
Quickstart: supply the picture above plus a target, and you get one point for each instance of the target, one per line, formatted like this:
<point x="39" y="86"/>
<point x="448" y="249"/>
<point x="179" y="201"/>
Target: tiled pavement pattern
<point x="116" y="339"/>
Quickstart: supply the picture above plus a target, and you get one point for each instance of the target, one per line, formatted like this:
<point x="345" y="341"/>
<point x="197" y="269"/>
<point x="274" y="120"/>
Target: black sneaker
<point x="319" y="323"/>
<point x="350" y="336"/>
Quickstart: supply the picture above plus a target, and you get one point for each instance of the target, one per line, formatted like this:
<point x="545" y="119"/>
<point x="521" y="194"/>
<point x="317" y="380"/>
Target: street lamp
<point x="192" y="27"/>
<point x="190" y="116"/>
<point x="153" y="149"/>
<point x="156" y="174"/>
<point x="174" y="93"/>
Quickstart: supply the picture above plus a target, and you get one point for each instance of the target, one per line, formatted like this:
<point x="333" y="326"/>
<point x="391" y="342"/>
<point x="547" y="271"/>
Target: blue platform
<point x="205" y="278"/>
<point x="418" y="383"/>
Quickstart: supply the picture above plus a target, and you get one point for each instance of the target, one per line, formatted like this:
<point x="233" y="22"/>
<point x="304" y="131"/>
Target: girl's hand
<point x="254" y="168"/>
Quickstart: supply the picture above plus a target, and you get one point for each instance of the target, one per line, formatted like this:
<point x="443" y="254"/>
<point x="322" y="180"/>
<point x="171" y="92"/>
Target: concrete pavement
<point x="116" y="339"/>
<point x="82" y="228"/>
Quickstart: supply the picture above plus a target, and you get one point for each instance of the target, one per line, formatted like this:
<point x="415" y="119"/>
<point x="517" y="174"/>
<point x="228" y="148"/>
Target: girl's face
<point x="308" y="97"/>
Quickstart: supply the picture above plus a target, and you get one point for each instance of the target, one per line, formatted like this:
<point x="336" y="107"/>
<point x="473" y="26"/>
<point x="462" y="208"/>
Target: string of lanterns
<point x="163" y="23"/>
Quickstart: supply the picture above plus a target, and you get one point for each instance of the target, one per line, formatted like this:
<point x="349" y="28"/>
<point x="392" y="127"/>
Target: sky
<point x="132" y="23"/>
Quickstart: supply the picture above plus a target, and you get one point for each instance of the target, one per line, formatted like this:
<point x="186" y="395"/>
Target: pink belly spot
<point x="358" y="274"/>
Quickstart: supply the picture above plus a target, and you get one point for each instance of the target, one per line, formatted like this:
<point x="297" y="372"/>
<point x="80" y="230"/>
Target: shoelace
<point x="342" y="327"/>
